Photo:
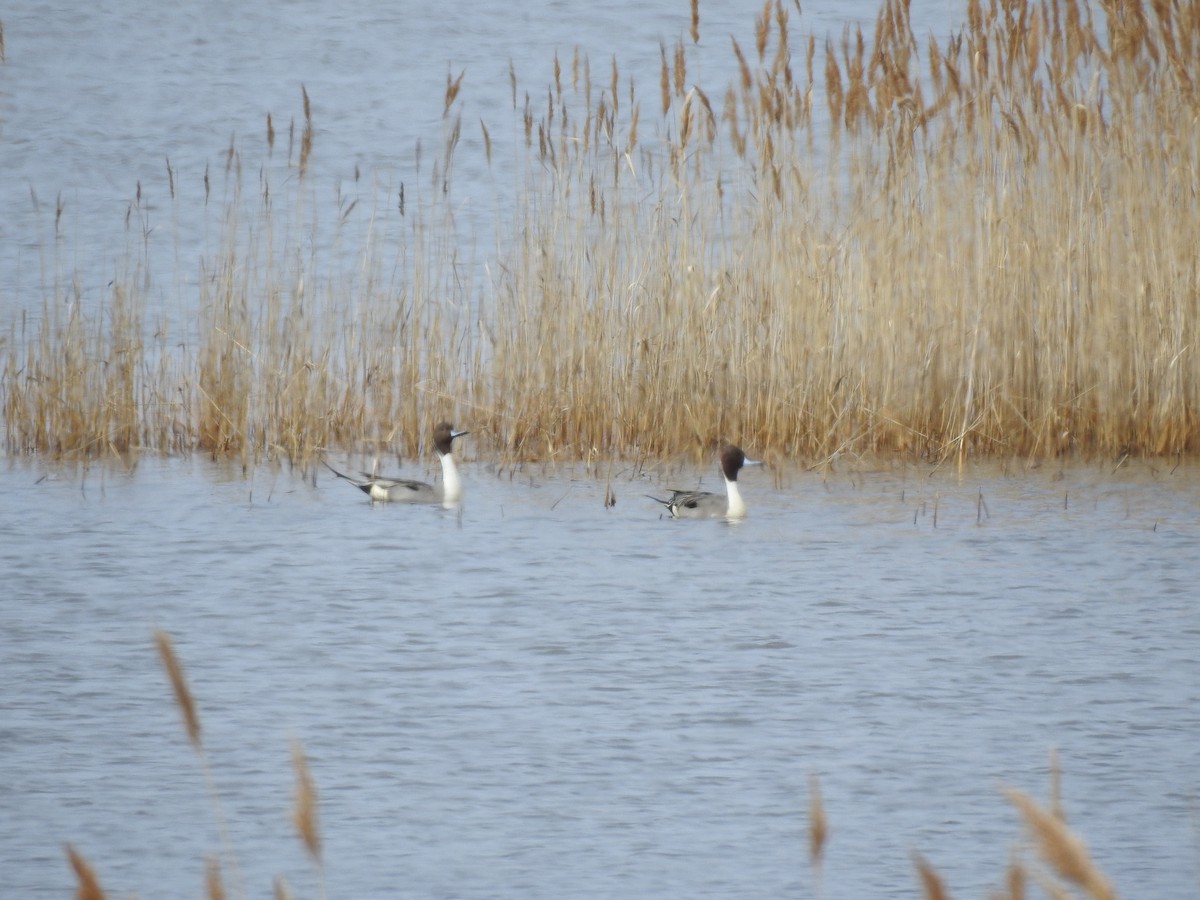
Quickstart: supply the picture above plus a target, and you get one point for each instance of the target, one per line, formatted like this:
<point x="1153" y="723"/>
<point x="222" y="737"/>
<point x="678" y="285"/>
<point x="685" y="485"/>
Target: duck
<point x="448" y="493"/>
<point x="707" y="505"/>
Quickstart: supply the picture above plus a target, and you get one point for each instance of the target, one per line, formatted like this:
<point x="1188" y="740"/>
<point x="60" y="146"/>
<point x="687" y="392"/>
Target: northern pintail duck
<point x="704" y="504"/>
<point x="402" y="490"/>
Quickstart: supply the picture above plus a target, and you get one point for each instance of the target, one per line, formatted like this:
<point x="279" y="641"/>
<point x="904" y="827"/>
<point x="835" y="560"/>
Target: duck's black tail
<point x="364" y="486"/>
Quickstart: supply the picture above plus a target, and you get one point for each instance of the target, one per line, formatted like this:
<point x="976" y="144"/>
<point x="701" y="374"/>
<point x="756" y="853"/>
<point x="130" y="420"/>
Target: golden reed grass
<point x="986" y="247"/>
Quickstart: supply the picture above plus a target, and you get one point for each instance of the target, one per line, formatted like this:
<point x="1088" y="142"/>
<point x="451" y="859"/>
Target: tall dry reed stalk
<point x="981" y="245"/>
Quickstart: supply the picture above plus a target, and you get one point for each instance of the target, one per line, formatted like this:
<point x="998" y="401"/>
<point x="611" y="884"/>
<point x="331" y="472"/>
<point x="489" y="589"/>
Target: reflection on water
<point x="544" y="698"/>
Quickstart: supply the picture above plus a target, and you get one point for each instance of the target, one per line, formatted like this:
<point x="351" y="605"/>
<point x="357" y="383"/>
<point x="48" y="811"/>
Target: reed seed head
<point x="1060" y="847"/>
<point x="87" y="886"/>
<point x="212" y="879"/>
<point x="931" y="881"/>
<point x="183" y="696"/>
<point x="818" y="829"/>
<point x="304" y="812"/>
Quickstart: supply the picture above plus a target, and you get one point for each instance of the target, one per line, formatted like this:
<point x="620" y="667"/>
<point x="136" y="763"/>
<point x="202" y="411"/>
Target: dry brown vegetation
<point x="988" y="247"/>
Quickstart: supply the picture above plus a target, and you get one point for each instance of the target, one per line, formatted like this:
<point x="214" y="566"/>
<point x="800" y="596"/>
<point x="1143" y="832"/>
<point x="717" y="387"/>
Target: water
<point x="542" y="697"/>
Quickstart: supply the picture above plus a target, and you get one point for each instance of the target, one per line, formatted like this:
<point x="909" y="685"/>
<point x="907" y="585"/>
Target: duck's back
<point x="697" y="505"/>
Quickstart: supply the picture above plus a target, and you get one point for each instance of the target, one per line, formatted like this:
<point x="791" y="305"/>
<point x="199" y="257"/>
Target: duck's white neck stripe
<point x="737" y="506"/>
<point x="452" y="489"/>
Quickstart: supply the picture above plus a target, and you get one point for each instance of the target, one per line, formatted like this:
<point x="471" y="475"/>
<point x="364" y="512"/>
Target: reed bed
<point x="865" y="243"/>
<point x="1065" y="861"/>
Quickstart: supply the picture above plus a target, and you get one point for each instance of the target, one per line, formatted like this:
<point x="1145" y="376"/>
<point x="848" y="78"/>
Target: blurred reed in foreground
<point x="983" y="245"/>
<point x="304" y="816"/>
<point x="1068" y="863"/>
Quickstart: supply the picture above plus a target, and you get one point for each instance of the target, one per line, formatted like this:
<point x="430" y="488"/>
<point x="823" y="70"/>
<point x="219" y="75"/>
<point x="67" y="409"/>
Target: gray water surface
<point x="542" y="697"/>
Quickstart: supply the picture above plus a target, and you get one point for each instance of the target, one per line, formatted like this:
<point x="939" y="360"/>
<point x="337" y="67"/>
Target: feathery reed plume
<point x="183" y="699"/>
<point x="1060" y="847"/>
<point x="1015" y="879"/>
<point x="614" y="97"/>
<point x="679" y="70"/>
<point x="306" y="136"/>
<point x="833" y="87"/>
<point x="304" y="813"/>
<point x="212" y="879"/>
<point x="762" y="30"/>
<point x="664" y="79"/>
<point x="453" y="85"/>
<point x="818" y="829"/>
<point x="694" y="31"/>
<point x="931" y="881"/>
<point x="818" y="833"/>
<point x="743" y="66"/>
<point x="685" y="122"/>
<point x="87" y="885"/>
<point x="183" y="696"/>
